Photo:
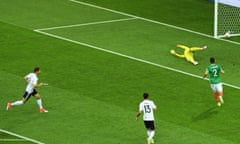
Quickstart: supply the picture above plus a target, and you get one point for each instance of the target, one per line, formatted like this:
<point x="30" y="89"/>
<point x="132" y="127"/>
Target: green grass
<point x="93" y="96"/>
<point x="191" y="14"/>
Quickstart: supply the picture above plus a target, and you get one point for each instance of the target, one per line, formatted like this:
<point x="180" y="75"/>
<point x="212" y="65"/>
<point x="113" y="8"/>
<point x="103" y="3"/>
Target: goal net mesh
<point x="228" y="20"/>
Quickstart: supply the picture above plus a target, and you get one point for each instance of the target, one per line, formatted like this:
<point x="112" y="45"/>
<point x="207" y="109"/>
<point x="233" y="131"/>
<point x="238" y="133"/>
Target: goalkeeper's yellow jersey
<point x="188" y="53"/>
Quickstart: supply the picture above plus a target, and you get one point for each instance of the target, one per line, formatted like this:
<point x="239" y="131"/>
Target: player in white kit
<point x="31" y="79"/>
<point x="148" y="107"/>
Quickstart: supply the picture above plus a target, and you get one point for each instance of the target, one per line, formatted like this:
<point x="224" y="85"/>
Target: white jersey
<point x="147" y="106"/>
<point x="32" y="80"/>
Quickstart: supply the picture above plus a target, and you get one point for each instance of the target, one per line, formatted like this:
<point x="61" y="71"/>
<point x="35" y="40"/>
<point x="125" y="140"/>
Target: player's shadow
<point x="206" y="114"/>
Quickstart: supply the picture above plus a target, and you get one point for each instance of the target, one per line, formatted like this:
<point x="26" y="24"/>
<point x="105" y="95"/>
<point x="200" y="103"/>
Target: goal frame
<point x="216" y="34"/>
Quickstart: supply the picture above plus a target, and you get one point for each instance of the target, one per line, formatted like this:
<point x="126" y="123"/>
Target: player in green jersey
<point x="214" y="72"/>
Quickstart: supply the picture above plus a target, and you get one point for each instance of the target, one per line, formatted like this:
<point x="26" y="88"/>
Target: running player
<point x="214" y="71"/>
<point x="147" y="107"/>
<point x="188" y="53"/>
<point x="32" y="84"/>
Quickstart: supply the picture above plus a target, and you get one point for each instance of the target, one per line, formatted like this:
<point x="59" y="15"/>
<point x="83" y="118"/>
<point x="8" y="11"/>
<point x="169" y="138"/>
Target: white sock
<point x="39" y="102"/>
<point x="148" y="133"/>
<point x="152" y="133"/>
<point x="221" y="99"/>
<point x="17" y="103"/>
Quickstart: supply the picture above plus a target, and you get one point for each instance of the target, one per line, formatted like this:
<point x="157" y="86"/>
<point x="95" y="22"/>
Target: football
<point x="227" y="34"/>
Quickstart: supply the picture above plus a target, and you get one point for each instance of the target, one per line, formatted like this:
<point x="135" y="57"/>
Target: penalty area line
<point x="20" y="136"/>
<point x="87" y="24"/>
<point x="127" y="56"/>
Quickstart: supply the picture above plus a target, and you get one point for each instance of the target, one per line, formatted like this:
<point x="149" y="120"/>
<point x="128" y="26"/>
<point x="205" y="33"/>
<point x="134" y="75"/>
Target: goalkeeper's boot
<point x="204" y="47"/>
<point x="195" y="63"/>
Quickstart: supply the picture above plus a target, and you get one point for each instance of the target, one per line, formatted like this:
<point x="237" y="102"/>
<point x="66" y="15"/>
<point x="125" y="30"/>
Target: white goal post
<point x="226" y="18"/>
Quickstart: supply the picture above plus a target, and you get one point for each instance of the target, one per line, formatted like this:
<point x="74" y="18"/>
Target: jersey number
<point x="147" y="109"/>
<point x="215" y="73"/>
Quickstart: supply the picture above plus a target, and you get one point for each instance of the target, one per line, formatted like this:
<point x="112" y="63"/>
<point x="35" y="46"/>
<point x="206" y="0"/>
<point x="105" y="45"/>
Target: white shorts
<point x="217" y="87"/>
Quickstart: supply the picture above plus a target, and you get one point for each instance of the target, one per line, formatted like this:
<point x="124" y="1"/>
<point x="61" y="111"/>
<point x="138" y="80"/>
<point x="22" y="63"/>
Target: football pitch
<point x="99" y="57"/>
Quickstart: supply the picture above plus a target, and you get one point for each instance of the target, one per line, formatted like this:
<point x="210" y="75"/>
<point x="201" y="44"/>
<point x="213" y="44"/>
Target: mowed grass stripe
<point x="152" y="21"/>
<point x="73" y="34"/>
<point x="109" y="119"/>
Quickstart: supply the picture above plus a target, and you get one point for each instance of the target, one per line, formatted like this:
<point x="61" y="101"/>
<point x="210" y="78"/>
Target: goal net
<point x="226" y="18"/>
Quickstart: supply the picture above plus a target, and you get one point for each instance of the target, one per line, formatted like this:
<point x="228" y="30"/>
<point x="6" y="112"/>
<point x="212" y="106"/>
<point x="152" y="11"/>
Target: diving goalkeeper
<point x="188" y="53"/>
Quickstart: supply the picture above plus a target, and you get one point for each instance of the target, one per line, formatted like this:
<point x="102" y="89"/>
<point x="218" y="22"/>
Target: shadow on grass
<point x="206" y="114"/>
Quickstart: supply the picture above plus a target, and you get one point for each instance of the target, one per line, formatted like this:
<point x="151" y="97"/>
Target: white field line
<point x="87" y="24"/>
<point x="8" y="140"/>
<point x="152" y="21"/>
<point x="22" y="137"/>
<point x="127" y="56"/>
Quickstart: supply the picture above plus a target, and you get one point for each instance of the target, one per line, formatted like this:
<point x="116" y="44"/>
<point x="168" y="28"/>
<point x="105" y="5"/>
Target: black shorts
<point x="149" y="125"/>
<point x="27" y="95"/>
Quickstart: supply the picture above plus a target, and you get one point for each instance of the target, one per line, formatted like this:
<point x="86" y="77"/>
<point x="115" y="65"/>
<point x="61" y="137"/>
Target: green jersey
<point x="214" y="71"/>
